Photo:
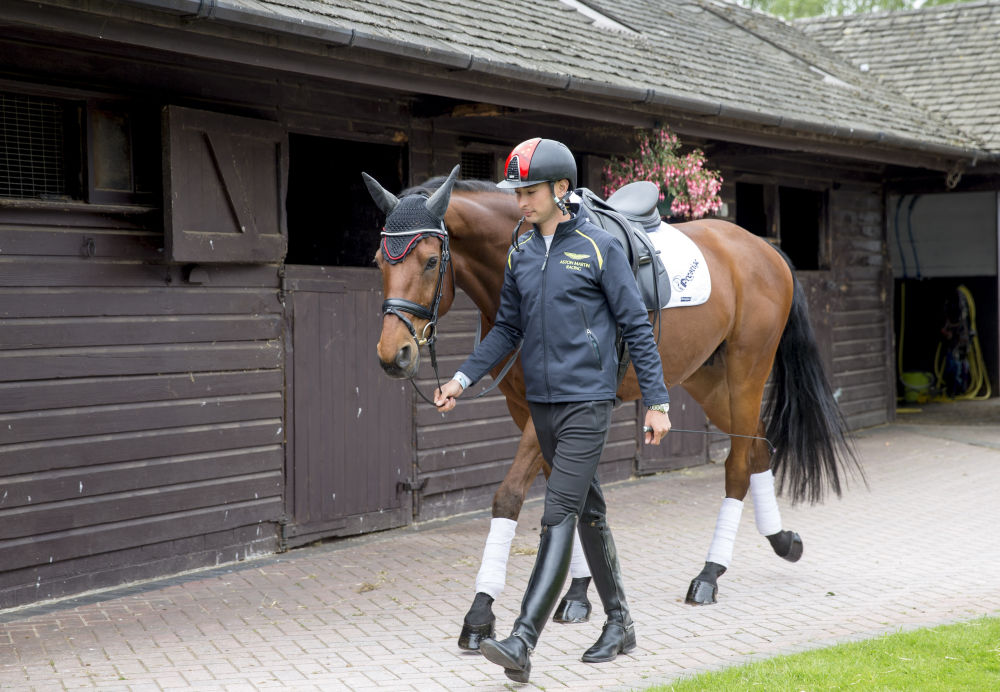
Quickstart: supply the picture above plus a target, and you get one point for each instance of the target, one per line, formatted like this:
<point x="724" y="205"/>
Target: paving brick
<point x="875" y="561"/>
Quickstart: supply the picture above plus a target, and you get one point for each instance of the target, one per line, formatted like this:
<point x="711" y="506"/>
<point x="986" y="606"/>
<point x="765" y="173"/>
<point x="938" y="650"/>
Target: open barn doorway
<point x="349" y="428"/>
<point x="943" y="250"/>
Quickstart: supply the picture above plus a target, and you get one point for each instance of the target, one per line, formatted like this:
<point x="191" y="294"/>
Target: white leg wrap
<point x="726" y="526"/>
<point x="578" y="566"/>
<point x="765" y="503"/>
<point x="492" y="575"/>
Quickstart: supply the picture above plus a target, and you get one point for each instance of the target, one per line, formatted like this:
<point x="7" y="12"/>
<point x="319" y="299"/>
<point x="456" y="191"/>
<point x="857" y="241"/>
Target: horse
<point x="755" y="325"/>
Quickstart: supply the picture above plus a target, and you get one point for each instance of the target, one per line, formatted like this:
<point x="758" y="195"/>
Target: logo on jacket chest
<point x="575" y="261"/>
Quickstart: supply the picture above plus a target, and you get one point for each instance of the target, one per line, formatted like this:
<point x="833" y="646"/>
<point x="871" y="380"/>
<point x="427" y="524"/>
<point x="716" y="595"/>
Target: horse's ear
<point x="438" y="203"/>
<point x="385" y="200"/>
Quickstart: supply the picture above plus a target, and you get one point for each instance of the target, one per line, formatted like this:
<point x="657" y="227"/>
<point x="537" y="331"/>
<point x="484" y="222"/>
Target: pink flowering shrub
<point x="692" y="189"/>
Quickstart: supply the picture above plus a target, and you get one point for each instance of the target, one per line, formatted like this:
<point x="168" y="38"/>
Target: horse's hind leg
<point x="479" y="621"/>
<point x="730" y="391"/>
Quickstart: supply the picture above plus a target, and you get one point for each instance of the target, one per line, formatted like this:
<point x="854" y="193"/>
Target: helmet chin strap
<point x="560" y="201"/>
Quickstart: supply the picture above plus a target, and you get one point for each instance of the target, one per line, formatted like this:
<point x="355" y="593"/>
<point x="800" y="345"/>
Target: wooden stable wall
<point x="140" y="414"/>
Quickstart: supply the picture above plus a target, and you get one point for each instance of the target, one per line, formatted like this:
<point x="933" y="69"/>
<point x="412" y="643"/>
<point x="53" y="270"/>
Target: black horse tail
<point x="814" y="447"/>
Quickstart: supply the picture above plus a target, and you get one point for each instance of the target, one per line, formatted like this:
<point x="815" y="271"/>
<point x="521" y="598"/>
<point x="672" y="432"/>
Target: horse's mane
<point x="428" y="187"/>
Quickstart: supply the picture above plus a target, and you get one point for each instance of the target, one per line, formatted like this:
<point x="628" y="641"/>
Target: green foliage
<point x="950" y="658"/>
<point x="794" y="9"/>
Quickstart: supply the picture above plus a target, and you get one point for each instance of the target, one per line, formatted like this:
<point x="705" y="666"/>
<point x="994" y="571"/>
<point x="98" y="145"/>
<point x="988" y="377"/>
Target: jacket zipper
<point x="591" y="338"/>
<point x="545" y="357"/>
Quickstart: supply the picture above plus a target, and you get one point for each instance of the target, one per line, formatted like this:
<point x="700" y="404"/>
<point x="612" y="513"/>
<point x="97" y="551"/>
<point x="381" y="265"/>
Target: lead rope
<point x="770" y="446"/>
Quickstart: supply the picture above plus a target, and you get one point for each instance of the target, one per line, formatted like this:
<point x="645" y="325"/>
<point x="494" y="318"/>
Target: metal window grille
<point x="477" y="165"/>
<point x="32" y="142"/>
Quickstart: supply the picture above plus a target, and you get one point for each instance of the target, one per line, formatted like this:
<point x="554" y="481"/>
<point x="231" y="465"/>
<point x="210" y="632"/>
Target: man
<point x="567" y="289"/>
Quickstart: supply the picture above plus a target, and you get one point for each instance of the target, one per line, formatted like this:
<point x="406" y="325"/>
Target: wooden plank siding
<point x="141" y="415"/>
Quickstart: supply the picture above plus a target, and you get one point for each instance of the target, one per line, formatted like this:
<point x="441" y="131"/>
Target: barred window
<point x="478" y="165"/>
<point x="32" y="147"/>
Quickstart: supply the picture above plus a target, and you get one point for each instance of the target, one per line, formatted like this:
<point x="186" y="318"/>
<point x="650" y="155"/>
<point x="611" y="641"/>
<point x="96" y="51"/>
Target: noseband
<point x="400" y="307"/>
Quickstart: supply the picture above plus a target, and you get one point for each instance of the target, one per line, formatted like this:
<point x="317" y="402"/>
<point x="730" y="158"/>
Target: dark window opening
<point x="750" y="210"/>
<point x="478" y="165"/>
<point x="332" y="219"/>
<point x="801" y="214"/>
<point x="123" y="161"/>
<point x="791" y="217"/>
<point x="37" y="141"/>
<point x="53" y="149"/>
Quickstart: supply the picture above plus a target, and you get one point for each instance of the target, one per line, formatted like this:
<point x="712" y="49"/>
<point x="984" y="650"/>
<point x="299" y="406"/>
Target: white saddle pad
<point x="690" y="283"/>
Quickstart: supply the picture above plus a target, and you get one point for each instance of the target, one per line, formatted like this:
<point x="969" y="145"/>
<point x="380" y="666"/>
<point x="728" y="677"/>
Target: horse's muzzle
<point x="404" y="364"/>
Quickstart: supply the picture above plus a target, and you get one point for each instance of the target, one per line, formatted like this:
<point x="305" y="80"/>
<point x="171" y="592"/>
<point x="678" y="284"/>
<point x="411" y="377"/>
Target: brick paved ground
<point x="383" y="611"/>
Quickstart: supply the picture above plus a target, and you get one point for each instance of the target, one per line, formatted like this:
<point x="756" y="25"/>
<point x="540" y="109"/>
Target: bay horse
<point x="754" y="325"/>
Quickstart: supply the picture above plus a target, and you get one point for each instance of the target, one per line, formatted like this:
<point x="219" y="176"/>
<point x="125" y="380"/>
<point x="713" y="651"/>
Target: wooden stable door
<point x="350" y="428"/>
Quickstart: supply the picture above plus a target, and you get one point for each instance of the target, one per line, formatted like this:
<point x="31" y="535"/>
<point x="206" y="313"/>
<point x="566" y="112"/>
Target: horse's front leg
<point x="479" y="621"/>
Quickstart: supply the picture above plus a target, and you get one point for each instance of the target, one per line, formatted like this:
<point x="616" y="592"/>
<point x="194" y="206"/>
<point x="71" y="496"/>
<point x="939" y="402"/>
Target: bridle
<point x="400" y="307"/>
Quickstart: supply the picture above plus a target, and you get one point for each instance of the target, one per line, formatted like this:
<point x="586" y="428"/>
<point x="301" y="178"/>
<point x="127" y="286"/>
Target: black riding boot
<point x="618" y="635"/>
<point x="551" y="567"/>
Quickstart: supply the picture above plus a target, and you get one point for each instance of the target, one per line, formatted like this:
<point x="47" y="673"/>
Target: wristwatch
<point x="660" y="408"/>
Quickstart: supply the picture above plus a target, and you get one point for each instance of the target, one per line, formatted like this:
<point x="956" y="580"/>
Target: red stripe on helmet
<point x="523" y="151"/>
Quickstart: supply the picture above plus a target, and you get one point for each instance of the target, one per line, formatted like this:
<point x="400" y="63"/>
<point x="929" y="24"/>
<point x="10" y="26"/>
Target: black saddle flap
<point x="647" y="267"/>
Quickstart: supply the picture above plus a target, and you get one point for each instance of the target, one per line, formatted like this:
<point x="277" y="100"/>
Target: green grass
<point x="965" y="656"/>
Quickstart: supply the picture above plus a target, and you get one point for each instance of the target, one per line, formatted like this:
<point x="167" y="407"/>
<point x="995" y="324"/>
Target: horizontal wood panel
<point x="80" y="242"/>
<point x="61" y="578"/>
<point x="861" y="346"/>
<point x="471" y="432"/>
<point x="91" y="272"/>
<point x="102" y="420"/>
<point x="43" y="364"/>
<point x="111" y="331"/>
<point x="96" y="450"/>
<point x="443" y="458"/>
<point x="120" y="535"/>
<point x="88" y="481"/>
<point x="71" y="514"/>
<point x="94" y="391"/>
<point x="172" y="300"/>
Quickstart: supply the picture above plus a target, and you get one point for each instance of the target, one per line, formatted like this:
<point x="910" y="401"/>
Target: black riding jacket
<point x="567" y="304"/>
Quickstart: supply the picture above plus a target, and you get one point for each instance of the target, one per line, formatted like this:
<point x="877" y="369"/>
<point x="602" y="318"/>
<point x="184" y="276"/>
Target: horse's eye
<point x="431" y="263"/>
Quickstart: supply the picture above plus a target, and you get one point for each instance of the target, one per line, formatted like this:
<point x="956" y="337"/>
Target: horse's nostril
<point x="404" y="356"/>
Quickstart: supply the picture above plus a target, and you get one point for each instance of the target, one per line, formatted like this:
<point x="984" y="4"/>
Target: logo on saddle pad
<point x="681" y="282"/>
<point x="575" y="261"/>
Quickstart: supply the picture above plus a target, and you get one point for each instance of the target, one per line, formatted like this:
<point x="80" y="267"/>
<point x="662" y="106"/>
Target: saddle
<point x="626" y="215"/>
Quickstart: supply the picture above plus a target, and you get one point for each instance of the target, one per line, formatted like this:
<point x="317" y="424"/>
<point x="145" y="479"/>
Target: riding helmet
<point x="539" y="161"/>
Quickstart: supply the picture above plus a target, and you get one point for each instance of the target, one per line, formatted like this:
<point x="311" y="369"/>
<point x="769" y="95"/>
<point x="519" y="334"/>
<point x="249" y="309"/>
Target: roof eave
<point x="655" y="103"/>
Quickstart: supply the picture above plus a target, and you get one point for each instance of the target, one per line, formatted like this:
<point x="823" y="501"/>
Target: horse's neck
<point x="480" y="232"/>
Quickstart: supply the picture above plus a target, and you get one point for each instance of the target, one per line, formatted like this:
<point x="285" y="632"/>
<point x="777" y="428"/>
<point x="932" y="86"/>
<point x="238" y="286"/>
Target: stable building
<point x="188" y="308"/>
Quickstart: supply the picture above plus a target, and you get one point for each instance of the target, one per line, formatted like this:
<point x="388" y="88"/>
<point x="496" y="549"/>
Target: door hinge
<point x="410" y="485"/>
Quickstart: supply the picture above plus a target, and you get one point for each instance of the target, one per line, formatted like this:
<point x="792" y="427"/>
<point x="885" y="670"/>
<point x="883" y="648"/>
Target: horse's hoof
<point x="569" y="612"/>
<point x="701" y="593"/>
<point x="473" y="634"/>
<point x="787" y="545"/>
<point x="795" y="550"/>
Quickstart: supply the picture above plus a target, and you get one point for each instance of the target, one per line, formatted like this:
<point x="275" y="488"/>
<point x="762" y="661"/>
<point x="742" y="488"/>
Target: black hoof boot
<point x="704" y="588"/>
<point x="787" y="545"/>
<point x="512" y="653"/>
<point x="575" y="606"/>
<point x="479" y="623"/>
